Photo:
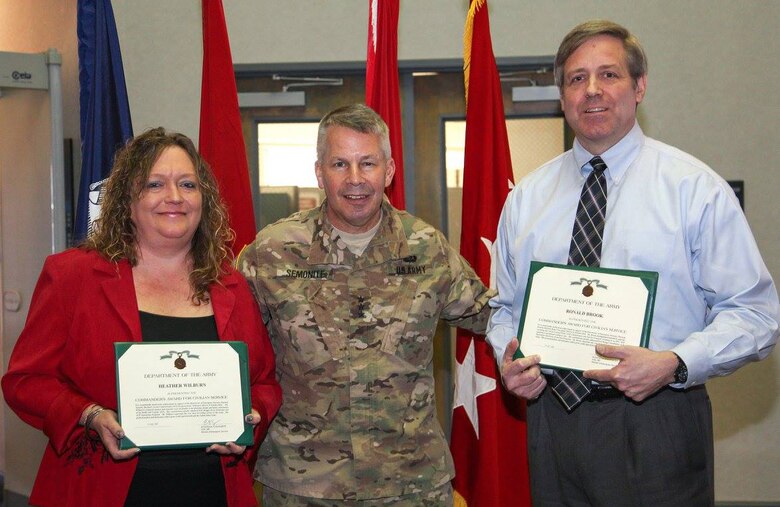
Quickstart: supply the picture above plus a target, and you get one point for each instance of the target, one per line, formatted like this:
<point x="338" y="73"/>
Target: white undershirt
<point x="357" y="243"/>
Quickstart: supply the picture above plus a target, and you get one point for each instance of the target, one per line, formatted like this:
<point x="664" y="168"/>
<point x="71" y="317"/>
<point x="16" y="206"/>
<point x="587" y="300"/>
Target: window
<point x="286" y="153"/>
<point x="532" y="142"/>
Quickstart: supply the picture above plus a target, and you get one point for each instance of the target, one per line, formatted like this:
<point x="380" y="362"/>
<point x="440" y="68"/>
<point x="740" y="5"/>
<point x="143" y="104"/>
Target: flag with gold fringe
<point x="488" y="440"/>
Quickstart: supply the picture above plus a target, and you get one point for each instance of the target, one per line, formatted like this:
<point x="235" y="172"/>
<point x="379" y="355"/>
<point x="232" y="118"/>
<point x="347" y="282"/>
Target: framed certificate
<point x="570" y="309"/>
<point x="182" y="394"/>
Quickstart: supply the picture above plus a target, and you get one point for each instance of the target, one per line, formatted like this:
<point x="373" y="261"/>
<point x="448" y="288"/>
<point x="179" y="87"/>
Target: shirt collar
<point x="618" y="158"/>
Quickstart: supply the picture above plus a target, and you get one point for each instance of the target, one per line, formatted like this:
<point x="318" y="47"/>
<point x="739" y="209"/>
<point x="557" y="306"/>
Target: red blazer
<point x="64" y="360"/>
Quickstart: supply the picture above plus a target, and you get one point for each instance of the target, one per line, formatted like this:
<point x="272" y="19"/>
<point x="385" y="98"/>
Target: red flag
<point x="488" y="439"/>
<point x="382" y="92"/>
<point x="221" y="138"/>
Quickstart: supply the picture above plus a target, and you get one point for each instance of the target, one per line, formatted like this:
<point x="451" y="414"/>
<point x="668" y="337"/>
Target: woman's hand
<point x="104" y="425"/>
<point x="231" y="447"/>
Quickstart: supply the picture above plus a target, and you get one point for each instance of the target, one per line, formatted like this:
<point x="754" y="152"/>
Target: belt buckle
<point x="601" y="392"/>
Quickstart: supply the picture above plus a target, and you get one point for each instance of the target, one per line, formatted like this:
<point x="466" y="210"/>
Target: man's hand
<point x="522" y="377"/>
<point x="639" y="374"/>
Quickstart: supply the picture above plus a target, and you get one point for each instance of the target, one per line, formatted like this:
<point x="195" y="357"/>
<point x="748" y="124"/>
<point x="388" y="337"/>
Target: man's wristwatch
<point x="681" y="372"/>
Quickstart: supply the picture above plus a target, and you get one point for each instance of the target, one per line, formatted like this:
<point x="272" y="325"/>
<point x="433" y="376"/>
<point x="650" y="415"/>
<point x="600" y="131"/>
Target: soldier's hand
<point x="522" y="377"/>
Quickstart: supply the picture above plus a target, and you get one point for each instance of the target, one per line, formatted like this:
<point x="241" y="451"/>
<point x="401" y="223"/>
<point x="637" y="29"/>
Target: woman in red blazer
<point x="156" y="268"/>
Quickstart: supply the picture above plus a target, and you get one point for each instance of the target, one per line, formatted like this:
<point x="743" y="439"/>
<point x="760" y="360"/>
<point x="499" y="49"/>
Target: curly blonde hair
<point x="114" y="233"/>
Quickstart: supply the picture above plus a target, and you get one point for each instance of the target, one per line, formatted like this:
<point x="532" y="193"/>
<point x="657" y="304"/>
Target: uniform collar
<point x="389" y="242"/>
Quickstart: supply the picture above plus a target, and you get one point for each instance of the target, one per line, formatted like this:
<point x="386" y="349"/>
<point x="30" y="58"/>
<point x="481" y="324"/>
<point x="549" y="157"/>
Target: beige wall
<point x="712" y="92"/>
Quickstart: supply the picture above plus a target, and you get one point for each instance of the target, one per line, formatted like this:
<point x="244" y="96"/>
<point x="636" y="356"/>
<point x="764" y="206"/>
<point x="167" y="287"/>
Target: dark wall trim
<point x="244" y="70"/>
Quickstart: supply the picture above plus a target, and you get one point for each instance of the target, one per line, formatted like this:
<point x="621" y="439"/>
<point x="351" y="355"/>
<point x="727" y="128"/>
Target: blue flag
<point x="105" y="112"/>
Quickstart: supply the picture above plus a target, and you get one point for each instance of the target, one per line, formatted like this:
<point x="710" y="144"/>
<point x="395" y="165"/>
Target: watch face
<point x="681" y="373"/>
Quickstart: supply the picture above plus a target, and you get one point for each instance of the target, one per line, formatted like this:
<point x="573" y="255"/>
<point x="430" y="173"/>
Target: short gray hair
<point x="357" y="117"/>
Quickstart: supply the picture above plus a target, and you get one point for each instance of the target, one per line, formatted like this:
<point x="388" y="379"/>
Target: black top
<point x="162" y="328"/>
<point x="174" y="477"/>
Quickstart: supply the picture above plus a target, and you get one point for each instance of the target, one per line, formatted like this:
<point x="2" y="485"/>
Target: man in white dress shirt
<point x="644" y="434"/>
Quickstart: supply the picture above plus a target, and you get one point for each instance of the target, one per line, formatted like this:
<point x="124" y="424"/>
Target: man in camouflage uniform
<point x="352" y="292"/>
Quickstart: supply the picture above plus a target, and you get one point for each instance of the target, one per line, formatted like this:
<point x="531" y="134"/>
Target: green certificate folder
<point x="569" y="309"/>
<point x="183" y="394"/>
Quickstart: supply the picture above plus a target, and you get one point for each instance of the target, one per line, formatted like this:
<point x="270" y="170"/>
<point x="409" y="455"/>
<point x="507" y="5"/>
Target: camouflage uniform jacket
<point x="354" y="344"/>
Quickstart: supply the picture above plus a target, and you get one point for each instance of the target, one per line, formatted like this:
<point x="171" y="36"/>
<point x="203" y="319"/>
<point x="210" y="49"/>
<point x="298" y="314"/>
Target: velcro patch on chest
<point x="409" y="266"/>
<point x="308" y="274"/>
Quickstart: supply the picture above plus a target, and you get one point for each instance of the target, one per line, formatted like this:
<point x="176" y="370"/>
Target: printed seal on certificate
<point x="569" y="309"/>
<point x="182" y="394"/>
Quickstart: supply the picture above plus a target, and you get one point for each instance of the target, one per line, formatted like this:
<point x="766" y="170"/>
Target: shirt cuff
<point x="498" y="338"/>
<point x="694" y="355"/>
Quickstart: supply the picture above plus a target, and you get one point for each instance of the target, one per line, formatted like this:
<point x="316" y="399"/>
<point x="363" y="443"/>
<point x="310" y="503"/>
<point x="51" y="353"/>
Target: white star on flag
<point x="491" y="248"/>
<point x="469" y="385"/>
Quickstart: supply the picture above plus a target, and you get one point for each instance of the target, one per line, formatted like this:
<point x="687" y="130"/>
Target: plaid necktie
<point x="585" y="250"/>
